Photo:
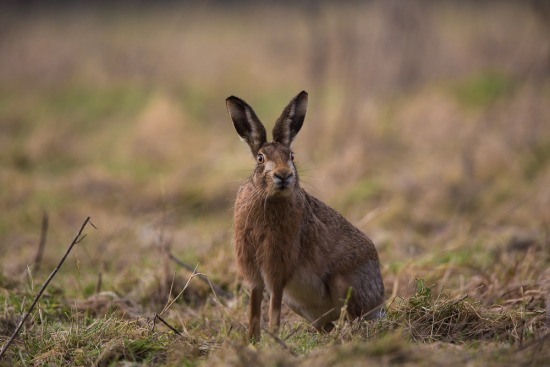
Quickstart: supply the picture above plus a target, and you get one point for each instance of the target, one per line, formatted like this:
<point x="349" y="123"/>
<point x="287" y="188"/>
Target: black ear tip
<point x="303" y="94"/>
<point x="234" y="103"/>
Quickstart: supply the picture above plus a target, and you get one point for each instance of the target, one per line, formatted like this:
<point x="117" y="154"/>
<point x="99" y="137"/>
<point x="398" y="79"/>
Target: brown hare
<point x="302" y="251"/>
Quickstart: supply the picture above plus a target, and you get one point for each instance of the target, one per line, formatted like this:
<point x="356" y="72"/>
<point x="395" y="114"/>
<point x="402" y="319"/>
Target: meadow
<point x="427" y="127"/>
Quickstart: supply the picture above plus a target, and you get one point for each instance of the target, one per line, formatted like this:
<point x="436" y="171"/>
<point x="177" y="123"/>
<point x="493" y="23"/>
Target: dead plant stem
<point x="42" y="241"/>
<point x="76" y="240"/>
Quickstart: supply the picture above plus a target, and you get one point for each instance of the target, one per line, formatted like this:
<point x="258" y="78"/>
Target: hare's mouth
<point x="282" y="188"/>
<point x="281" y="191"/>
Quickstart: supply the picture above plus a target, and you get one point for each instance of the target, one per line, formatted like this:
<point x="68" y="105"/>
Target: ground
<point x="427" y="128"/>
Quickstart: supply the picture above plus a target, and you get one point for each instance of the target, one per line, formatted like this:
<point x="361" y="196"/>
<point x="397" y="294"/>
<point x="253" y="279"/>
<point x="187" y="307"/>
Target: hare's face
<point x="275" y="171"/>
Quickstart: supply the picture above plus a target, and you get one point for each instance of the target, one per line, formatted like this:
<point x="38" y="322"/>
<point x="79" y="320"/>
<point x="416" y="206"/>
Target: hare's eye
<point x="260" y="158"/>
<point x="292" y="157"/>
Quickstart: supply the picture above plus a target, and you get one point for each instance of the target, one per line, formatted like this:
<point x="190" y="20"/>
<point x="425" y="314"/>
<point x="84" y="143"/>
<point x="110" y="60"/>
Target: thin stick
<point x="296" y="329"/>
<point x="42" y="242"/>
<point x="203" y="276"/>
<point x="280" y="342"/>
<point x="99" y="281"/>
<point x="167" y="324"/>
<point x="76" y="240"/>
<point x="169" y="304"/>
<point x="539" y="340"/>
<point x="217" y="289"/>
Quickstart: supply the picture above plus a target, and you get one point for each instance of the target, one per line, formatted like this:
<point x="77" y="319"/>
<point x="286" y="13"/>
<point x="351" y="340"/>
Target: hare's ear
<point x="291" y="120"/>
<point x="247" y="124"/>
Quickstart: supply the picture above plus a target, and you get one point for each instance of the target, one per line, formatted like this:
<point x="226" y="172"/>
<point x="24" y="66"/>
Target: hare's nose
<point x="283" y="178"/>
<point x="283" y="175"/>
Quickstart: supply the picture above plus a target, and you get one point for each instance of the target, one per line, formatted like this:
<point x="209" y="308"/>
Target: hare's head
<point x="275" y="171"/>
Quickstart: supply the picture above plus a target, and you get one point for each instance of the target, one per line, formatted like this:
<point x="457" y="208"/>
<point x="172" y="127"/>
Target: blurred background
<point x="428" y="125"/>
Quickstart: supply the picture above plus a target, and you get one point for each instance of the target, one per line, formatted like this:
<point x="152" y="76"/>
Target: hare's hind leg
<point x="361" y="291"/>
<point x="255" y="312"/>
<point x="367" y="299"/>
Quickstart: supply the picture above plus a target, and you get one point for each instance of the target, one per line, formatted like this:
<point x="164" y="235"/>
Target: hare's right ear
<point x="291" y="120"/>
<point x="247" y="124"/>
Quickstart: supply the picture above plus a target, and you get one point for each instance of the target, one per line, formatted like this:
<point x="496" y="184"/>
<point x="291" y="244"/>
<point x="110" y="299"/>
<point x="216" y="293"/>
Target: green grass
<point x="480" y="91"/>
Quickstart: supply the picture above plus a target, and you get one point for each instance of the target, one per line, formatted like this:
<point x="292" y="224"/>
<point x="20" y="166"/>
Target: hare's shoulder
<point x="245" y="192"/>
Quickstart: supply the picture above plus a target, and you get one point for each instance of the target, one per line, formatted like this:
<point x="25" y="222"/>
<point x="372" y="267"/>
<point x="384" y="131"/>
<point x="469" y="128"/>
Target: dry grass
<point x="427" y="128"/>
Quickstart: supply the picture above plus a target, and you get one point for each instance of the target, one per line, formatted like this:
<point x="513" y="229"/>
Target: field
<point x="428" y="127"/>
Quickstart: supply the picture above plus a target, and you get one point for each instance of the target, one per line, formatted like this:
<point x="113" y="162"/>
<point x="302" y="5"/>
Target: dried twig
<point x="42" y="242"/>
<point x="167" y="324"/>
<point x="164" y="249"/>
<point x="193" y="275"/>
<point x="215" y="287"/>
<point x="540" y="340"/>
<point x="76" y="240"/>
<point x="169" y="304"/>
<point x="294" y="331"/>
<point x="99" y="282"/>
<point x="203" y="276"/>
<point x="280" y="342"/>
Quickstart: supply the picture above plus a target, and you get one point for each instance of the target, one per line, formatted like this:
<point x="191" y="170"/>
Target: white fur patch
<point x="287" y="121"/>
<point x="254" y="135"/>
<point x="269" y="165"/>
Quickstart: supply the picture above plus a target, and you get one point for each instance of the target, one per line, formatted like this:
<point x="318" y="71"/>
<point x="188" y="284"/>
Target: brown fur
<point x="302" y="251"/>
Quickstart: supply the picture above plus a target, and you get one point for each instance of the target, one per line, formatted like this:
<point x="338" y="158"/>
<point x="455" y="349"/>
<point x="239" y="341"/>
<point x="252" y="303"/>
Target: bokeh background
<point x="428" y="127"/>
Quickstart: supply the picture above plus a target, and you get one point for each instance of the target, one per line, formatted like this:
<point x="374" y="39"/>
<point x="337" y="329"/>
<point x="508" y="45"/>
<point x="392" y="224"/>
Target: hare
<point x="302" y="251"/>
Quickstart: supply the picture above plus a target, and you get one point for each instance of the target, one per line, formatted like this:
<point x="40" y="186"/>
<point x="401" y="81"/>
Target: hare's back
<point x="342" y="241"/>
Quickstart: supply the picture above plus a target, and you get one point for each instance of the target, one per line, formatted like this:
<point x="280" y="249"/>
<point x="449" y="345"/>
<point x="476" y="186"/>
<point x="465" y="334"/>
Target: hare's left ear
<point x="247" y="124"/>
<point x="291" y="120"/>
